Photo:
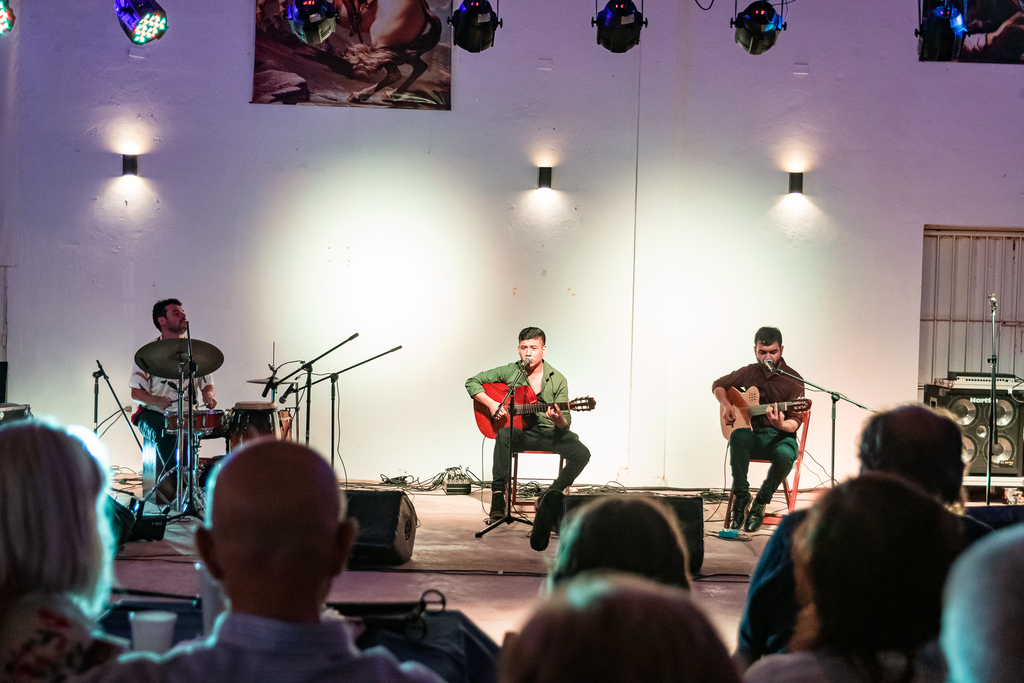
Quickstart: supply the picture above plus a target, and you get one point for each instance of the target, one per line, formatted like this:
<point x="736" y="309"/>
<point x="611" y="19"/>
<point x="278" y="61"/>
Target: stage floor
<point x="494" y="580"/>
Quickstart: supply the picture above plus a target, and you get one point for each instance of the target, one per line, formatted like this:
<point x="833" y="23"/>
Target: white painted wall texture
<point x="665" y="244"/>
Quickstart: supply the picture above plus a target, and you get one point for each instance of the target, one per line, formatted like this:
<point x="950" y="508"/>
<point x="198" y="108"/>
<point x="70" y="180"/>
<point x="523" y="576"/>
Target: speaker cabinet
<point x="689" y="511"/>
<point x="971" y="409"/>
<point x="387" y="527"/>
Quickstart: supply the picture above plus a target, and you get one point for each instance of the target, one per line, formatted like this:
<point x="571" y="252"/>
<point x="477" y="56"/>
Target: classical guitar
<point x="526" y="408"/>
<point x="747" y="406"/>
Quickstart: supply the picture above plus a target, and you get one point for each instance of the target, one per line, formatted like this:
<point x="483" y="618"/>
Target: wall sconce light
<point x="545" y="177"/>
<point x="129" y="164"/>
<point x="796" y="183"/>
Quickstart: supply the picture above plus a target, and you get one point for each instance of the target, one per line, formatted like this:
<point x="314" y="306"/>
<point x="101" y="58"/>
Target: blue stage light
<point x="757" y="27"/>
<point x="6" y="17"/>
<point x="313" y="21"/>
<point x="941" y="34"/>
<point x="474" y="24"/>
<point x="618" y="25"/>
<point x="142" y="20"/>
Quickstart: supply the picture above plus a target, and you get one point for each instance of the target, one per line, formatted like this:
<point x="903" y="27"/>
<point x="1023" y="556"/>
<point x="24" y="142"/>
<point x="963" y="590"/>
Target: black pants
<point x="561" y="441"/>
<point x="152" y="425"/>
<point x="764" y="444"/>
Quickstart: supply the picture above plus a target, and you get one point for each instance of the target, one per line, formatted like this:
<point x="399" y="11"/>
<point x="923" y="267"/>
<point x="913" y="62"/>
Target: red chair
<point x="790" y="493"/>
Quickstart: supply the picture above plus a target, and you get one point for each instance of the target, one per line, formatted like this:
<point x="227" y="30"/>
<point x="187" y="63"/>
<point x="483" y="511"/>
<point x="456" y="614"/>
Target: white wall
<point x="666" y="243"/>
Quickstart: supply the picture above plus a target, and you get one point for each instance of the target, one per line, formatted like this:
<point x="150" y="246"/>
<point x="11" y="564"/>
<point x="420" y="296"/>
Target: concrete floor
<point x="495" y="580"/>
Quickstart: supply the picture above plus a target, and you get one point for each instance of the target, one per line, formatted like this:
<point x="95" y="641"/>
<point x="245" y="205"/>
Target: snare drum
<point x="203" y="421"/>
<point x="253" y="419"/>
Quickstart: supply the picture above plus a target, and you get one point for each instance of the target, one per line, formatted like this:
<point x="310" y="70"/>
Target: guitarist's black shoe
<point x="497" y="506"/>
<point x="755" y="519"/>
<point x="548" y="507"/>
<point x="739" y="510"/>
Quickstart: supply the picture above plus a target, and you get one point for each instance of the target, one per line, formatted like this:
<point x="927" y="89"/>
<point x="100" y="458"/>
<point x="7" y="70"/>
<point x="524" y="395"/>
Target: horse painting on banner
<point x="369" y="53"/>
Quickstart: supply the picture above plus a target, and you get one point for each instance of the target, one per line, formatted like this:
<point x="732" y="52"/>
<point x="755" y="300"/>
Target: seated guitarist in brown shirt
<point x="770" y="436"/>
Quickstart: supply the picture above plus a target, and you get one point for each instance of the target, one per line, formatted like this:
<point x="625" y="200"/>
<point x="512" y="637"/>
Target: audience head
<point x="633" y="534"/>
<point x="607" y="627"/>
<point x="870" y="561"/>
<point x="55" y="535"/>
<point x="276" y="532"/>
<point x="982" y="629"/>
<point x="918" y="444"/>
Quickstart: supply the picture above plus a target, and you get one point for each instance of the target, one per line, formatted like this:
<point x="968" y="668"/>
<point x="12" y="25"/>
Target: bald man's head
<point x="275" y="531"/>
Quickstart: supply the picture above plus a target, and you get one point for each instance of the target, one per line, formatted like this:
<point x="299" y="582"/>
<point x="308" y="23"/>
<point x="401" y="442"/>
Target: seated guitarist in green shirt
<point x="550" y="432"/>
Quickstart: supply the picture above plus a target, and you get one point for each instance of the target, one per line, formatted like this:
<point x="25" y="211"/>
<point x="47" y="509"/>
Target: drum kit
<point x="169" y="359"/>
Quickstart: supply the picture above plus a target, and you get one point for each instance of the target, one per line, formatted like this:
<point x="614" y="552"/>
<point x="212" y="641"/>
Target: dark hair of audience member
<point x="870" y="563"/>
<point x="616" y="628"/>
<point x="633" y="534"/>
<point x="916" y="443"/>
<point x="55" y="536"/>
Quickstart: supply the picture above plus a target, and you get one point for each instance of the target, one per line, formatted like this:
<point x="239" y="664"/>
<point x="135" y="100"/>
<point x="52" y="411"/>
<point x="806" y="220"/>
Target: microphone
<point x="526" y="361"/>
<point x="273" y="376"/>
<point x="992" y="301"/>
<point x="287" y="392"/>
<point x="770" y="365"/>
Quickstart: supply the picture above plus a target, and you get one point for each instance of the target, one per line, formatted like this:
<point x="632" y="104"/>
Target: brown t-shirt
<point x="772" y="388"/>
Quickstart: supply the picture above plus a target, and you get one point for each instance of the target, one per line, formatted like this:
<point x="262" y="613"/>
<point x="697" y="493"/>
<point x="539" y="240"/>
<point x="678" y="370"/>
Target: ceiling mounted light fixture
<point x="6" y="17"/>
<point x="618" y="25"/>
<point x="474" y="24"/>
<point x="758" y="26"/>
<point x="313" y="21"/>
<point x="142" y="20"/>
<point x="941" y="32"/>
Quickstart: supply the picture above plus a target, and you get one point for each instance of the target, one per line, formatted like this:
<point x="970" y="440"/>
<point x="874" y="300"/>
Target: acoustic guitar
<point x="748" y="405"/>
<point x="526" y="408"/>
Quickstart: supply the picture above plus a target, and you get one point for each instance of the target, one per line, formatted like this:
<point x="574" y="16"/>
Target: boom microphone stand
<point x="308" y="369"/>
<point x="836" y="396"/>
<point x="96" y="403"/>
<point x="334" y="385"/>
<point x="510" y="397"/>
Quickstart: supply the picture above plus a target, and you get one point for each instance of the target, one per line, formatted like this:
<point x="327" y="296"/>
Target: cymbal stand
<point x="187" y="462"/>
<point x="308" y="369"/>
<point x="334" y="381"/>
<point x="510" y="398"/>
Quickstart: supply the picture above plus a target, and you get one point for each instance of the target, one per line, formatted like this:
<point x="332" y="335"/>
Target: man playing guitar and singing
<point x="770" y="436"/>
<point x="550" y="431"/>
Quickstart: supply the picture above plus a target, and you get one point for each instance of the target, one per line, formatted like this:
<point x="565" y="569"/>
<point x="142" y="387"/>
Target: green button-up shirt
<point x="554" y="388"/>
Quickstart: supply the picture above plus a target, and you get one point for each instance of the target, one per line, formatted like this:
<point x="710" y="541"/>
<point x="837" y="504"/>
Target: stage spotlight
<point x="142" y="20"/>
<point x="941" y="34"/>
<point x="474" y="25"/>
<point x="618" y="25"/>
<point x="757" y="27"/>
<point x="313" y="21"/>
<point x="6" y="17"/>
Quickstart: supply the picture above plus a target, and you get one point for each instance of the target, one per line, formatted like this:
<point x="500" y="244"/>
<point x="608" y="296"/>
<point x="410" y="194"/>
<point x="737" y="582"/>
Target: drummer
<point x="157" y="397"/>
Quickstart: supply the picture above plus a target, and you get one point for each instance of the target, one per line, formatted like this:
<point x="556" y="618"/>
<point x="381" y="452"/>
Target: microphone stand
<point x="510" y="397"/>
<point x="96" y="403"/>
<point x="992" y="425"/>
<point x="835" y="399"/>
<point x="308" y="369"/>
<point x="334" y="383"/>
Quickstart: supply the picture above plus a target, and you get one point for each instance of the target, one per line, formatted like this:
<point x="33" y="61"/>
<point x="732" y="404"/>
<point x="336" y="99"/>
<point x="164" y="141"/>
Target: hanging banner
<point x="353" y="53"/>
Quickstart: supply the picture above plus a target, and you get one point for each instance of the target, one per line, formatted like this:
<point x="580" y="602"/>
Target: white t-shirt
<point x="158" y="386"/>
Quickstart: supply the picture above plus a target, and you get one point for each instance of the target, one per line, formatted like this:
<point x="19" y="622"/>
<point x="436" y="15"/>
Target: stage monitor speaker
<point x="387" y="527"/>
<point x="689" y="511"/>
<point x="971" y="409"/>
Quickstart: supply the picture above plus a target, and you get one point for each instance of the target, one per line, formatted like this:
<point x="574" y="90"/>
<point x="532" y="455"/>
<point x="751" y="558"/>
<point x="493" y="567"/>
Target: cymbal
<point x="164" y="356"/>
<point x="264" y="380"/>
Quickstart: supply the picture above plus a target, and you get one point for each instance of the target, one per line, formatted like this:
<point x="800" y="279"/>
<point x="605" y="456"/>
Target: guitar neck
<point x="760" y="409"/>
<point x="531" y="408"/>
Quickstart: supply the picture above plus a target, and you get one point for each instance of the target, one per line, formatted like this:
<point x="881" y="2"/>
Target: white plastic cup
<point x="212" y="598"/>
<point x="152" y="631"/>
